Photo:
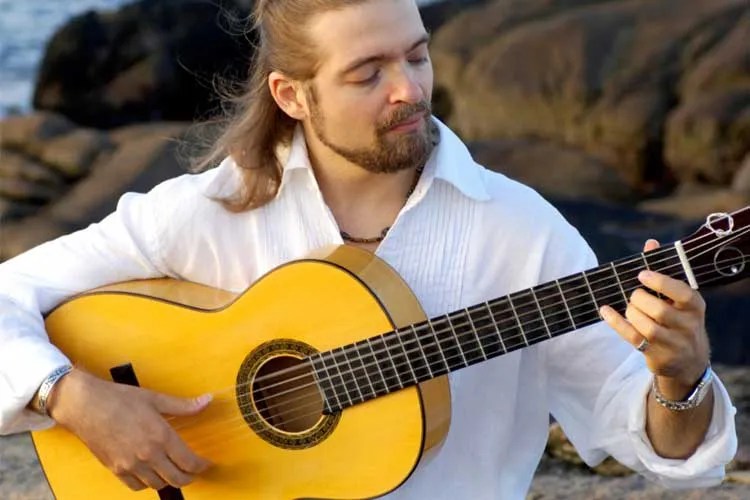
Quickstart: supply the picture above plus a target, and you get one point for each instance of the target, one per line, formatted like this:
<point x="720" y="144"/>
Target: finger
<point x="171" y="405"/>
<point x="149" y="477"/>
<point x="679" y="291"/>
<point x="621" y="326"/>
<point x="656" y="308"/>
<point x="644" y="325"/>
<point x="132" y="482"/>
<point x="651" y="244"/>
<point x="184" y="458"/>
<point x="170" y="473"/>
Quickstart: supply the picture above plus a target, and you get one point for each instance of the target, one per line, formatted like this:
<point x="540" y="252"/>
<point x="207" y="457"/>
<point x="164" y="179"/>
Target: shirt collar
<point x="450" y="162"/>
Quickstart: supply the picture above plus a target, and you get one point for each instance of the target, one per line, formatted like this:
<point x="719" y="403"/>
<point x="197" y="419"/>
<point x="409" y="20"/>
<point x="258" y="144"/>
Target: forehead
<point x="369" y="28"/>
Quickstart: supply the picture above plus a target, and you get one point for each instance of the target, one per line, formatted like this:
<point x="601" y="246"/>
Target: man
<point x="334" y="143"/>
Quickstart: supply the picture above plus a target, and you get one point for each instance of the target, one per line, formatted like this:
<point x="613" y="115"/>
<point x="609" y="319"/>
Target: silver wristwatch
<point x="694" y="399"/>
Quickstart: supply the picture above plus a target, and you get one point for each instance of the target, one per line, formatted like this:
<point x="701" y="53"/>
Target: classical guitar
<point x="328" y="379"/>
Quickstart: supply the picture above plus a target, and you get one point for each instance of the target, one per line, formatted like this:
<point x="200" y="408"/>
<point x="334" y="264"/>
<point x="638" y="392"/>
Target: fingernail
<point x="645" y="275"/>
<point x="204" y="399"/>
<point x="605" y="312"/>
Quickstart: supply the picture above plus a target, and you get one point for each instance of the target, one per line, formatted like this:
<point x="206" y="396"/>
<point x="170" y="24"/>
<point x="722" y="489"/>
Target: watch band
<point x="46" y="388"/>
<point x="694" y="399"/>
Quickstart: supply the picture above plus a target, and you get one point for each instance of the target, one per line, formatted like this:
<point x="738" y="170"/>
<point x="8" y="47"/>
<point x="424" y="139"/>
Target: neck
<point x="362" y="202"/>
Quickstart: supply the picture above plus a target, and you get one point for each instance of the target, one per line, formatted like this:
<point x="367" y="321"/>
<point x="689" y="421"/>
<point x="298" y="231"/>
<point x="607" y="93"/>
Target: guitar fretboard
<point x="376" y="366"/>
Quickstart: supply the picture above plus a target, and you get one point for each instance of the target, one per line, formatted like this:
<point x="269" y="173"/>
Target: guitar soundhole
<point x="279" y="398"/>
<point x="286" y="395"/>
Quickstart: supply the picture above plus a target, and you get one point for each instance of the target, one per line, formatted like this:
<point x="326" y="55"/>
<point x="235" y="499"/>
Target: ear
<point x="288" y="94"/>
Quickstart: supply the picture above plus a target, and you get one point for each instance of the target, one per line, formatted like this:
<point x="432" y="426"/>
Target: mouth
<point x="410" y="123"/>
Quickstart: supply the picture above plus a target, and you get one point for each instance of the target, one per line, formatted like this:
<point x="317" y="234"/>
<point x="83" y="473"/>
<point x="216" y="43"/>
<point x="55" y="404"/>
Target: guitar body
<point x="185" y="340"/>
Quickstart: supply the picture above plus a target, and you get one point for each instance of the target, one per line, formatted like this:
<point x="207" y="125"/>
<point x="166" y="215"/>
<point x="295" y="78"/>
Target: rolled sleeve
<point x="705" y="467"/>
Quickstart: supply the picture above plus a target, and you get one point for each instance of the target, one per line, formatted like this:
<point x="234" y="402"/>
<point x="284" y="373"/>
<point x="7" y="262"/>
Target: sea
<point x="25" y="28"/>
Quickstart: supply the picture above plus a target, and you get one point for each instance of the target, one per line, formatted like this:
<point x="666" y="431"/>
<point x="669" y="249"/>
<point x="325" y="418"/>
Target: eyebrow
<point x="380" y="57"/>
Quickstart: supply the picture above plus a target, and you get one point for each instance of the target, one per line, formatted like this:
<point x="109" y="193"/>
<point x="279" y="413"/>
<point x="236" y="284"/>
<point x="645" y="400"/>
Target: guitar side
<point x="189" y="344"/>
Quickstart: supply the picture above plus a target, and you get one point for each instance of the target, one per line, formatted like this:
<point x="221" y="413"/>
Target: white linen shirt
<point x="465" y="235"/>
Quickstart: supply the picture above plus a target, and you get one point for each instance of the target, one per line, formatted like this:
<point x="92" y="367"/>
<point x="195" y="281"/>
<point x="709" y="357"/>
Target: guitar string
<point x="302" y="368"/>
<point x="317" y="396"/>
<point x="317" y="403"/>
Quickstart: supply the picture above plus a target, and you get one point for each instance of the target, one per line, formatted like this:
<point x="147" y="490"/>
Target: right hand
<point x="124" y="428"/>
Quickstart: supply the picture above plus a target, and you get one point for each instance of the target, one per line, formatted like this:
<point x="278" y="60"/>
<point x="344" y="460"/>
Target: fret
<point x="645" y="261"/>
<point x="380" y="384"/>
<point x="541" y="313"/>
<point x="393" y="379"/>
<point x="509" y="326"/>
<point x="627" y="270"/>
<point x="382" y="361"/>
<point x="457" y="339"/>
<point x="400" y="360"/>
<point x="530" y="316"/>
<point x="408" y="358"/>
<point x="349" y="385"/>
<point x="579" y="300"/>
<point x="665" y="261"/>
<point x="449" y="343"/>
<point x="558" y="319"/>
<point x="619" y="283"/>
<point x="432" y="348"/>
<point x="565" y="303"/>
<point x="606" y="290"/>
<point x="591" y="292"/>
<point x="518" y="320"/>
<point x="326" y="382"/>
<point x="360" y="372"/>
<point x="418" y="367"/>
<point x="476" y="336"/>
<point x="496" y="328"/>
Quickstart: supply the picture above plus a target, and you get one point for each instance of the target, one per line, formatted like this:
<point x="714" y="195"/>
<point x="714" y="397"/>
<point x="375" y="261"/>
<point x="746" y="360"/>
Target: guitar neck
<point x="379" y="365"/>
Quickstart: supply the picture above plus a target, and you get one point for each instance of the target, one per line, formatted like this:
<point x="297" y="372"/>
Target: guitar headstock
<point x="719" y="252"/>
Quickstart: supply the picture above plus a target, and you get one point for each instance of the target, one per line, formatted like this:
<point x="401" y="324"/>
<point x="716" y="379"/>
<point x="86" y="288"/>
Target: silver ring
<point x="643" y="345"/>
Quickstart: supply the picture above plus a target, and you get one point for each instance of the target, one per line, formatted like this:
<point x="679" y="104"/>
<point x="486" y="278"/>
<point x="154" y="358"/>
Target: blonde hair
<point x="254" y="125"/>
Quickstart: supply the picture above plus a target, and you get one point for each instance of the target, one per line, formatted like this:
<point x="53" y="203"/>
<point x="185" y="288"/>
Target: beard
<point x="389" y="154"/>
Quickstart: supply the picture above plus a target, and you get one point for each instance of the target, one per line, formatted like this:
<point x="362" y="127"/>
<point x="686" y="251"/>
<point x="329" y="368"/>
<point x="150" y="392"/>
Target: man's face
<point x="370" y="99"/>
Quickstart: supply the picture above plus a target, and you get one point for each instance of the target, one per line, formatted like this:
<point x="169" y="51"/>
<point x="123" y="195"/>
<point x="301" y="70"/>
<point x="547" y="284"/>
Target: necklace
<point x="377" y="239"/>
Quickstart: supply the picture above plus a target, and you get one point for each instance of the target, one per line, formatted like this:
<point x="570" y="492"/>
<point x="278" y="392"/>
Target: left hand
<point x="678" y="348"/>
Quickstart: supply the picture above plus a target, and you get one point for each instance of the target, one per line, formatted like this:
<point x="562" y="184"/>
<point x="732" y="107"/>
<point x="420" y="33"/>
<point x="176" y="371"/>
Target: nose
<point x="405" y="86"/>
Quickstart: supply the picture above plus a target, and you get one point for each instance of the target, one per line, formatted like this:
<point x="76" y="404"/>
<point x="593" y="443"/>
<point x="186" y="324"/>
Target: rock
<point x="21" y="478"/>
<point x="23" y="190"/>
<point x="17" y="165"/>
<point x="707" y="137"/>
<point x="562" y="474"/>
<point x="150" y="60"/>
<point x="741" y="181"/>
<point x="27" y="133"/>
<point x="73" y="154"/>
<point x="742" y="477"/>
<point x="698" y="205"/>
<point x="553" y="169"/>
<point x="608" y="89"/>
<point x="136" y="165"/>
<point x="11" y="210"/>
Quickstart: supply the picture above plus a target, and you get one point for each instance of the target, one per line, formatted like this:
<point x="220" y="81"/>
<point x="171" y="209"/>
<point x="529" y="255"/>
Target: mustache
<point x="403" y="113"/>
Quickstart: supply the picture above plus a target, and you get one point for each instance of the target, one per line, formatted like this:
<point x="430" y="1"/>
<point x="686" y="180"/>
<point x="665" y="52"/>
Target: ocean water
<point x="25" y="27"/>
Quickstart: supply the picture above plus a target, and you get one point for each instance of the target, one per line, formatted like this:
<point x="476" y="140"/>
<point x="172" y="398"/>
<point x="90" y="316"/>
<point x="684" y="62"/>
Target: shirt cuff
<point x="14" y="415"/>
<point x="705" y="467"/>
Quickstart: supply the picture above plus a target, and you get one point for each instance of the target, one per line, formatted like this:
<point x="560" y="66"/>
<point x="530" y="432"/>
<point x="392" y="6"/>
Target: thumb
<point x="172" y="405"/>
<point x="651" y="244"/>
